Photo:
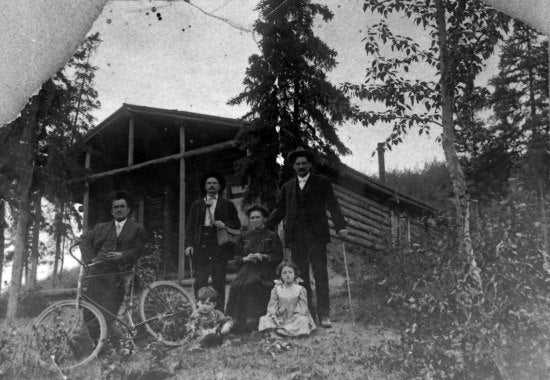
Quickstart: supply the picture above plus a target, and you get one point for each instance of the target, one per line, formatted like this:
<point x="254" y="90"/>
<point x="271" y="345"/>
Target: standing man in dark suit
<point x="116" y="245"/>
<point x="206" y="216"/>
<point x="303" y="202"/>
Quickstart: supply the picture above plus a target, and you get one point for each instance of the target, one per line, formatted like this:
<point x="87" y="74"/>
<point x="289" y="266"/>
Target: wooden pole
<point x="348" y="282"/>
<point x="86" y="201"/>
<point x="131" y="142"/>
<point x="381" y="164"/>
<point x="181" y="234"/>
<point x="167" y="226"/>
<point x="141" y="210"/>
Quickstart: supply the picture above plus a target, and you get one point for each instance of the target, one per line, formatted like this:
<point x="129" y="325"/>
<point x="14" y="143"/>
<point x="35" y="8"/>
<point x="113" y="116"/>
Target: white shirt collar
<point x="304" y="179"/>
<point x="120" y="224"/>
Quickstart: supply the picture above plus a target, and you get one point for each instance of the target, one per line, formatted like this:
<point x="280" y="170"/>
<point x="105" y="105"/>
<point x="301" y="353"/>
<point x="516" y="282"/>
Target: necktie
<point x="118" y="229"/>
<point x="209" y="211"/>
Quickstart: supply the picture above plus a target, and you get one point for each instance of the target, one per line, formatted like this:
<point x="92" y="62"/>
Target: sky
<point x="192" y="61"/>
<point x="196" y="62"/>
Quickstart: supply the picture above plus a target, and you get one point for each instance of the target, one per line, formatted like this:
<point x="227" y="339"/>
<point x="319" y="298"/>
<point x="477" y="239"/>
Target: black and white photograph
<point x="275" y="189"/>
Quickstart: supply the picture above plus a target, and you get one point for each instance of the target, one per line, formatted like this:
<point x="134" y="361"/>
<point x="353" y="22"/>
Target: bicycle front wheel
<point x="165" y="309"/>
<point x="71" y="335"/>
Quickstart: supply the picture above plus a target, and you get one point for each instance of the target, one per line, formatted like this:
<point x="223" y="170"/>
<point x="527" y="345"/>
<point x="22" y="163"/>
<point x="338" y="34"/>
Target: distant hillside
<point x="430" y="184"/>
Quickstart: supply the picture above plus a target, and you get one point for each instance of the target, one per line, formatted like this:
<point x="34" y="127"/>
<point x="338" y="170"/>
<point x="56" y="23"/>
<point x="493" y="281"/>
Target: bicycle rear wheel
<point x="165" y="309"/>
<point x="72" y="336"/>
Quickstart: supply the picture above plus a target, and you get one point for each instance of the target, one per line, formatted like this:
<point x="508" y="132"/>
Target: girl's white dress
<point x="287" y="311"/>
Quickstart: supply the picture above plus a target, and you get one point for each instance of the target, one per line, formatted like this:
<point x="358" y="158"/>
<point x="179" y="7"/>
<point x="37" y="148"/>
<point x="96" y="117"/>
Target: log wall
<point x="374" y="225"/>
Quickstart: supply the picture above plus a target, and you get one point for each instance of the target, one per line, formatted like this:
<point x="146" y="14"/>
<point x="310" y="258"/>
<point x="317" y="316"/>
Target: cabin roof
<point x="208" y="130"/>
<point x="126" y="110"/>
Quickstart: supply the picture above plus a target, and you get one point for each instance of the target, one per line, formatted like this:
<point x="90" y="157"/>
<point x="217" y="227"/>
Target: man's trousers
<point x="209" y="259"/>
<point x="305" y="249"/>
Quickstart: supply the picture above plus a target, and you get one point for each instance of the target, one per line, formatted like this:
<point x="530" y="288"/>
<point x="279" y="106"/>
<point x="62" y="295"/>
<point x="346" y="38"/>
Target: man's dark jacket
<point x="103" y="239"/>
<point x="225" y="211"/>
<point x="319" y="197"/>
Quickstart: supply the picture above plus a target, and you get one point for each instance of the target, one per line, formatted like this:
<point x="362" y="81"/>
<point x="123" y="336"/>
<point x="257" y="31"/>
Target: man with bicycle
<point x="108" y="251"/>
<point x="114" y="246"/>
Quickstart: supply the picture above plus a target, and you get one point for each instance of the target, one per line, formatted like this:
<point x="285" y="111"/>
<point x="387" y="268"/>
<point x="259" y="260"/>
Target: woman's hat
<point x="300" y="152"/>
<point x="218" y="176"/>
<point x="257" y="207"/>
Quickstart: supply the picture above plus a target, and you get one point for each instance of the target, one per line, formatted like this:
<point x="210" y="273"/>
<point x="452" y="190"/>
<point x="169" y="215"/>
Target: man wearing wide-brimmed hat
<point x="303" y="202"/>
<point x="206" y="216"/>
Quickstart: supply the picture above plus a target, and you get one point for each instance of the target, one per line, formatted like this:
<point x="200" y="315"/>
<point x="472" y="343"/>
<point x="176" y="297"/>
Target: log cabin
<point x="158" y="156"/>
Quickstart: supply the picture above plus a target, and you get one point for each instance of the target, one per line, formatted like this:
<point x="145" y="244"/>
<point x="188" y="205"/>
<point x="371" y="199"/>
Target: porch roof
<point x="150" y="134"/>
<point x="123" y="114"/>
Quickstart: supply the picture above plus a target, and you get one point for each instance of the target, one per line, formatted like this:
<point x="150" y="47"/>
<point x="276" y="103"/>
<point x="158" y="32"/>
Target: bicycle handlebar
<point x="75" y="244"/>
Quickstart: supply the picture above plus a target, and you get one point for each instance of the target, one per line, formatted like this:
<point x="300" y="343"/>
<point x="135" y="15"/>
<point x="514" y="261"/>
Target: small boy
<point x="208" y="325"/>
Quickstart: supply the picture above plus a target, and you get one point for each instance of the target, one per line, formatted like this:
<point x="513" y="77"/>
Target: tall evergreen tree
<point x="38" y="154"/>
<point x="520" y="98"/>
<point x="517" y="134"/>
<point x="520" y="105"/>
<point x="292" y="102"/>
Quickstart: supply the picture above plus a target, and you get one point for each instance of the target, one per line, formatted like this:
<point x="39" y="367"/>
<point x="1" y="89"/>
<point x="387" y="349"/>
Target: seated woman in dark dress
<point x="257" y="253"/>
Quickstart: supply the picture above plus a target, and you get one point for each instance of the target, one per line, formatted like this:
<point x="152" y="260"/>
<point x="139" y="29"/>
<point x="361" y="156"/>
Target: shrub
<point x="454" y="330"/>
<point x="18" y="357"/>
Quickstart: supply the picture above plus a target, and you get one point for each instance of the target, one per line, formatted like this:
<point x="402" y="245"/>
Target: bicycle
<point x="72" y="332"/>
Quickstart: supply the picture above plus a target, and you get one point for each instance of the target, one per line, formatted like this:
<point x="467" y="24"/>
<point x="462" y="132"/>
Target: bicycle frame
<point x="80" y="295"/>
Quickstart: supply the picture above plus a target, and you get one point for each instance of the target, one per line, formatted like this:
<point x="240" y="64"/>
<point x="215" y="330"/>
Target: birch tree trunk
<point x="2" y="241"/>
<point x="26" y="245"/>
<point x="57" y="229"/>
<point x="37" y="203"/>
<point x="448" y="139"/>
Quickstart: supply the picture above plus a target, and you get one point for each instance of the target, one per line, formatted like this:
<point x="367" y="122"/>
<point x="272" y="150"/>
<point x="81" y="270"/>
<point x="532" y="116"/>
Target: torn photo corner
<point x="38" y="39"/>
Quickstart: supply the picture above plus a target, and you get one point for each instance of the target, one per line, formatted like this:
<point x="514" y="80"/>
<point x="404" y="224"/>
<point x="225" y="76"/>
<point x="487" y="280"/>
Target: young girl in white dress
<point x="287" y="311"/>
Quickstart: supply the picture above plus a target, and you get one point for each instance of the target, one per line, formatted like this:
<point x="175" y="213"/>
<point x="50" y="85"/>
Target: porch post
<point x="167" y="236"/>
<point x="141" y="210"/>
<point x="381" y="165"/>
<point x="131" y="142"/>
<point x="182" y="221"/>
<point x="86" y="201"/>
